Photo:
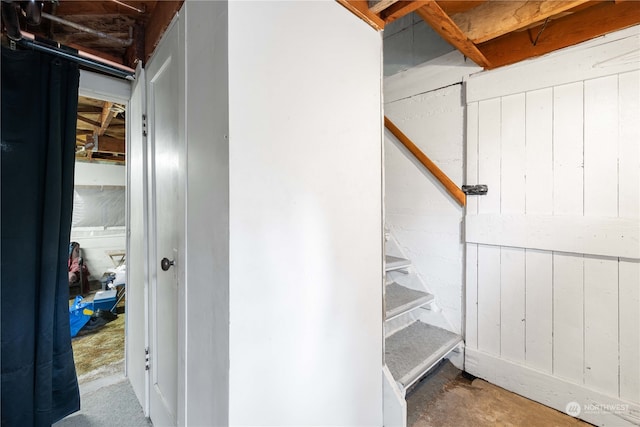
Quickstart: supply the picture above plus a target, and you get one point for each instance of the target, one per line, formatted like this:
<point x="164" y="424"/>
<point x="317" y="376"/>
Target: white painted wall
<point x="100" y="174"/>
<point x="96" y="241"/>
<point x="553" y="253"/>
<point x="305" y="216"/>
<point x="422" y="217"/>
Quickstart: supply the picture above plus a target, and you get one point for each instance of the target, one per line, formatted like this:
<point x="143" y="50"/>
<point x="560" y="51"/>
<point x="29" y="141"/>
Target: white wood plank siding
<point x="553" y="249"/>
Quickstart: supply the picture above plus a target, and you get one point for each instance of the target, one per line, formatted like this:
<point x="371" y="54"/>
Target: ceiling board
<point x="496" y="18"/>
<point x="452" y="7"/>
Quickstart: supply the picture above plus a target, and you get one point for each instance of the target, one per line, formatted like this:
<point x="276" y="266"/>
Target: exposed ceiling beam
<point x="106" y="117"/>
<point x="589" y="23"/>
<point x="400" y="9"/>
<point x="159" y="20"/>
<point x="108" y="144"/>
<point x="496" y="18"/>
<point x="89" y="109"/>
<point x="380" y="5"/>
<point x="448" y="30"/>
<point x="360" y="8"/>
<point x="91" y="122"/>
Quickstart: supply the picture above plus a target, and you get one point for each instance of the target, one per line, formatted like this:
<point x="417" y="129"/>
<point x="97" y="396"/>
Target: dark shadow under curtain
<point x="39" y="104"/>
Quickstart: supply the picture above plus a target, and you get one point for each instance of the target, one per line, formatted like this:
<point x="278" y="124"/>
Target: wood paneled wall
<point x="553" y="249"/>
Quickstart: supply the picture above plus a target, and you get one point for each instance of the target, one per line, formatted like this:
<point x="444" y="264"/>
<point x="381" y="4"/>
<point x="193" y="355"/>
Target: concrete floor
<point x="107" y="402"/>
<point x="448" y="398"/>
<point x="445" y="398"/>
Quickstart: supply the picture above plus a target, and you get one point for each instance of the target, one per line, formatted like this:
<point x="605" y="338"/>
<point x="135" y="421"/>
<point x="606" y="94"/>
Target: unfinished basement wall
<point x="99" y="213"/>
<point x="305" y="167"/>
<point x="553" y="253"/>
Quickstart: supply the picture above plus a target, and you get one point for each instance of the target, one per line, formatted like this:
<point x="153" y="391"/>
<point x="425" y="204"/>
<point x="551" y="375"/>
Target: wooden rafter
<point x="106" y="117"/>
<point x="496" y="18"/>
<point x="448" y="30"/>
<point x="89" y="109"/>
<point x="91" y="122"/>
<point x="400" y="9"/>
<point x="381" y="5"/>
<point x="586" y="24"/>
<point x="360" y="8"/>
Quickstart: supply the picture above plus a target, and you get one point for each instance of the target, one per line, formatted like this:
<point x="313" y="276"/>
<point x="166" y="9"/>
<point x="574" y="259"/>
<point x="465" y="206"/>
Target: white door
<point x="167" y="201"/>
<point x="553" y="261"/>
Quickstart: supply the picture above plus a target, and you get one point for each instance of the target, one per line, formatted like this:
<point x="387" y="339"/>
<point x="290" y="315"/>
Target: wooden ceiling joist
<point x="380" y="5"/>
<point x="496" y="18"/>
<point x="106" y="117"/>
<point x="584" y="25"/>
<point x="442" y="24"/>
<point x="91" y="122"/>
<point x="400" y="9"/>
<point x="108" y="144"/>
<point x="89" y="109"/>
<point x="360" y="8"/>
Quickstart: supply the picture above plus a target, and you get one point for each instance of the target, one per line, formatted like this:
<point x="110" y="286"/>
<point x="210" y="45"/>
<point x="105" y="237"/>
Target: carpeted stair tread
<point x="395" y="263"/>
<point x="400" y="299"/>
<point x="412" y="351"/>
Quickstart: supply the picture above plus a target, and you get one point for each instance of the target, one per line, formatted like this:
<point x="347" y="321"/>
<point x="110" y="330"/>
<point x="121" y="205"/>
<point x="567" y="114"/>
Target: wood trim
<point x="570" y="30"/>
<point x="549" y="389"/>
<point x="443" y="25"/>
<point x="449" y="185"/>
<point x="496" y="18"/>
<point x="360" y="8"/>
<point x="159" y="20"/>
<point x="598" y="236"/>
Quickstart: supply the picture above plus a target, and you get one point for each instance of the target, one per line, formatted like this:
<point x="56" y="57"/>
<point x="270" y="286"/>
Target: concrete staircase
<point x="412" y="347"/>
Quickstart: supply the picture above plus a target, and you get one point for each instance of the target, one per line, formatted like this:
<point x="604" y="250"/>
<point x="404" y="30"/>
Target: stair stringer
<point x="394" y="405"/>
<point x="411" y="278"/>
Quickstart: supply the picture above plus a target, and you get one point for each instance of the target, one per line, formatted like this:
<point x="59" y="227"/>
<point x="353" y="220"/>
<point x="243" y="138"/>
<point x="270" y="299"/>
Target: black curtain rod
<point x="54" y="48"/>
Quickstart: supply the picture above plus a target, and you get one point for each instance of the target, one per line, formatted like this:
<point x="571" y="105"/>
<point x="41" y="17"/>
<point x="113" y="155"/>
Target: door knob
<point x="166" y="264"/>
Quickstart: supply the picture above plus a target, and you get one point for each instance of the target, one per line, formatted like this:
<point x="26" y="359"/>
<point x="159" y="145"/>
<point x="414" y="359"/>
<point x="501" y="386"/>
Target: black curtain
<point x="39" y="107"/>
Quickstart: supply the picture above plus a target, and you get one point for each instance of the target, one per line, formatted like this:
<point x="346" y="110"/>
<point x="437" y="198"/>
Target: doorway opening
<point x="97" y="254"/>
